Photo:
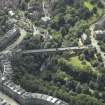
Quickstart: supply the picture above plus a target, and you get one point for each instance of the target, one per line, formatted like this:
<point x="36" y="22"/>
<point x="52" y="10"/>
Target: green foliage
<point x="72" y="79"/>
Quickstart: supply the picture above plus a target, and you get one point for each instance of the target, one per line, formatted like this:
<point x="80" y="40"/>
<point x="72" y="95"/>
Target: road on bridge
<point x="53" y="49"/>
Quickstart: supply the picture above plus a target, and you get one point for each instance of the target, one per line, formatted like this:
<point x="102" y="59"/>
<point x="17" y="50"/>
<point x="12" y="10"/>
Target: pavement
<point x="8" y="99"/>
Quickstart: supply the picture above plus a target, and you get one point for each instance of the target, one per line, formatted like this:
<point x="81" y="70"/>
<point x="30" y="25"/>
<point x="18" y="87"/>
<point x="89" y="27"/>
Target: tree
<point x="27" y="1"/>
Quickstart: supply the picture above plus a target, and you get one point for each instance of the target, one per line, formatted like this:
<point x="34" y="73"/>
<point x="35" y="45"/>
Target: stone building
<point x="27" y="98"/>
<point x="35" y="9"/>
<point x="99" y="34"/>
<point x="20" y="95"/>
<point x="9" y="4"/>
<point x="100" y="25"/>
<point x="10" y="35"/>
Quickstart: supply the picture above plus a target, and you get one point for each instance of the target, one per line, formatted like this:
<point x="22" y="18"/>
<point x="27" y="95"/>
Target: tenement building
<point x="18" y="93"/>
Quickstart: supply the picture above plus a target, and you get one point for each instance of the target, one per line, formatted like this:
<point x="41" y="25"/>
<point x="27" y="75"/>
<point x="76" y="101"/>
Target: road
<point x="8" y="99"/>
<point x="94" y="41"/>
<point x="54" y="49"/>
<point x="95" y="44"/>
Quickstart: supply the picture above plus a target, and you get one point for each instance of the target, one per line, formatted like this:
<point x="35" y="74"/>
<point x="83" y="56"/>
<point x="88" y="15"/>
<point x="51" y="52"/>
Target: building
<point x="80" y="43"/>
<point x="11" y="13"/>
<point x="8" y="37"/>
<point x="83" y="37"/>
<point x="45" y="19"/>
<point x="27" y="98"/>
<point x="100" y="25"/>
<point x="35" y="9"/>
<point x="99" y="34"/>
<point x="9" y="4"/>
<point x="20" y="95"/>
<point x="6" y="69"/>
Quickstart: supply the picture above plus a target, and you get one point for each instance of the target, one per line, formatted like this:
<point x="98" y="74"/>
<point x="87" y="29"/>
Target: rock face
<point x="8" y="4"/>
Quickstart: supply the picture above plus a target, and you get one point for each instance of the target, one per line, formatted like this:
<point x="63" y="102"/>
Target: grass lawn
<point x="88" y="5"/>
<point x="99" y="11"/>
<point x="75" y="62"/>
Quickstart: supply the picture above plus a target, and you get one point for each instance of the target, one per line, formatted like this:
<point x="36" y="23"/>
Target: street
<point x="8" y="99"/>
<point x="95" y="44"/>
